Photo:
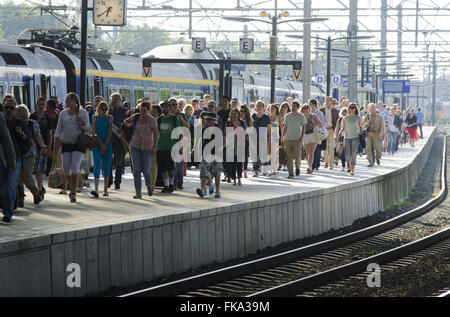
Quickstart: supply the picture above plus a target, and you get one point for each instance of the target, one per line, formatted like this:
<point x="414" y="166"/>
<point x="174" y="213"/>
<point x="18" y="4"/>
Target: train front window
<point x="153" y="94"/>
<point x="138" y="94"/>
<point x="125" y="93"/>
<point x="17" y="93"/>
<point x="188" y="95"/>
<point x="164" y="94"/>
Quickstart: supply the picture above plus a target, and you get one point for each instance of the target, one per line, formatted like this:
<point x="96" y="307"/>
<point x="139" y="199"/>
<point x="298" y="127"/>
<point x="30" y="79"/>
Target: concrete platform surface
<point x="56" y="214"/>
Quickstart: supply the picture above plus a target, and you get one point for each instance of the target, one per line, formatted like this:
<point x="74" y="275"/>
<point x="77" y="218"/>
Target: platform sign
<point x="198" y="44"/>
<point x="234" y="67"/>
<point x="396" y="86"/>
<point x="246" y="45"/>
<point x="320" y="79"/>
<point x="146" y="68"/>
<point x="297" y="72"/>
<point x="335" y="79"/>
<point x="366" y="84"/>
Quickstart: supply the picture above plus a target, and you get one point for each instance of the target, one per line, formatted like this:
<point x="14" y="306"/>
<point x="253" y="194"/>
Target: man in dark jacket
<point x="20" y="138"/>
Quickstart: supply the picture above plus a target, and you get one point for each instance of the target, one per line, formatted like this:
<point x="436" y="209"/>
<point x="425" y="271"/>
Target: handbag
<point x="393" y="128"/>
<point x="88" y="140"/>
<point x="321" y="133"/>
<point x="339" y="147"/>
<point x="54" y="177"/>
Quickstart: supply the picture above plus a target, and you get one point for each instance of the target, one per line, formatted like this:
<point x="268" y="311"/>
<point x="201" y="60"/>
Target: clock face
<point x="109" y="12"/>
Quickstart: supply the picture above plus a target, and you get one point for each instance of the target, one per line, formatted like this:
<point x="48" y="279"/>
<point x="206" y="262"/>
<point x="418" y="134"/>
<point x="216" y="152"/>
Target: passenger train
<point x="48" y="64"/>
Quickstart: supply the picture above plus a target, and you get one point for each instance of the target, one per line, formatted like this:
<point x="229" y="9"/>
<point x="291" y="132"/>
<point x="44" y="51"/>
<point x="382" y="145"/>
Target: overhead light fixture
<point x="263" y="14"/>
<point x="285" y="14"/>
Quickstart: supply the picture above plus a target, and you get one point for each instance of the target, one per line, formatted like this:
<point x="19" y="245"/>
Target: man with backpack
<point x="166" y="123"/>
<point x="46" y="128"/>
<point x="29" y="157"/>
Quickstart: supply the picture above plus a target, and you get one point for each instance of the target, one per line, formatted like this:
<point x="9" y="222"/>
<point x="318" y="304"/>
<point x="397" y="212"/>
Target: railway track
<point x="294" y="271"/>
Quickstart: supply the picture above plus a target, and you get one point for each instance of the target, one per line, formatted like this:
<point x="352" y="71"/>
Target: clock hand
<point x="107" y="10"/>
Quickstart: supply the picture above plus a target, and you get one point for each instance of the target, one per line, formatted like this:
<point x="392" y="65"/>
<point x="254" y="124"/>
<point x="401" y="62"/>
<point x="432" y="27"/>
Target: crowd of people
<point x="32" y="144"/>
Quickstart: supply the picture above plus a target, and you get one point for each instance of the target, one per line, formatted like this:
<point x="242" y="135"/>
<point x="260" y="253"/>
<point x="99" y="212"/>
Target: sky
<point x="208" y="17"/>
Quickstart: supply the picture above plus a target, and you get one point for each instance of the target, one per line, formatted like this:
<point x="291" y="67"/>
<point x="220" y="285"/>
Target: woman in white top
<point x="72" y="121"/>
<point x="275" y="126"/>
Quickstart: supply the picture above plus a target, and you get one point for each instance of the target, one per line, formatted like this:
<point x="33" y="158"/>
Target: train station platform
<point x="120" y="241"/>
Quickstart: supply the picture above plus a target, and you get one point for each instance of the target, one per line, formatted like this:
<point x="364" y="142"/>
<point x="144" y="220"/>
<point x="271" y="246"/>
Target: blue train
<point x="47" y="65"/>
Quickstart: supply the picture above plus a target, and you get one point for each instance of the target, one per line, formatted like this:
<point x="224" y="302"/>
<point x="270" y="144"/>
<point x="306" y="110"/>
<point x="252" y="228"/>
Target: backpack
<point x="31" y="130"/>
<point x="129" y="131"/>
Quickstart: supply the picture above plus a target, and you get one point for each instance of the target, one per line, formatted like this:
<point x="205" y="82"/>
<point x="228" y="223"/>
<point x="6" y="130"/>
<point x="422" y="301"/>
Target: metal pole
<point x="190" y="19"/>
<point x="383" y="36"/>
<point x="433" y="106"/>
<point x="307" y="52"/>
<point x="328" y="66"/>
<point x="353" y="58"/>
<point x="84" y="6"/>
<point x="399" y="43"/>
<point x="362" y="71"/>
<point x="272" y="69"/>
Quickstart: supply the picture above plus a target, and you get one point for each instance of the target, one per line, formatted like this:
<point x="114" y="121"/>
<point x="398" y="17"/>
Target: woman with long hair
<point x="245" y="115"/>
<point x="239" y="126"/>
<point x="351" y="126"/>
<point x="143" y="147"/>
<point x="261" y="121"/>
<point x="72" y="121"/>
<point x="339" y="137"/>
<point x="275" y="127"/>
<point x="411" y="126"/>
<point x="102" y="126"/>
<point x="310" y="138"/>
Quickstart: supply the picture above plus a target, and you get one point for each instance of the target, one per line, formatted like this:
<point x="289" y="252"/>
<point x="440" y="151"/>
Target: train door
<point x="234" y="87"/>
<point x="98" y="86"/>
<point x="44" y="81"/>
<point x="20" y="92"/>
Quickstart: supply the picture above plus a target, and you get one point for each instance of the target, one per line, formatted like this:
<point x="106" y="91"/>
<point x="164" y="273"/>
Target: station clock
<point x="110" y="12"/>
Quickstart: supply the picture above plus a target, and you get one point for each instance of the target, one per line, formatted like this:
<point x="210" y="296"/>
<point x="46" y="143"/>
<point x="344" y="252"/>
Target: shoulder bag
<point x="88" y="139"/>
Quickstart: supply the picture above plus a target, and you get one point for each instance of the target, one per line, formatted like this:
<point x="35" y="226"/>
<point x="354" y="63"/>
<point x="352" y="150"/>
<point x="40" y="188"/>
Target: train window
<point x="138" y="94"/>
<point x="54" y="90"/>
<point x="91" y="92"/>
<point x="188" y="95"/>
<point x="164" y="94"/>
<point x="109" y="91"/>
<point x="38" y="91"/>
<point x="176" y="93"/>
<point x="198" y="94"/>
<point x="16" y="91"/>
<point x="105" y="65"/>
<point x="125" y="93"/>
<point x="13" y="59"/>
<point x="90" y="64"/>
<point x="153" y="94"/>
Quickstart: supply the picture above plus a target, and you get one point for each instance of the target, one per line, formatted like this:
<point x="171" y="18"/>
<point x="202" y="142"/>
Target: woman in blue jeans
<point x="350" y="128"/>
<point x="143" y="147"/>
<point x="394" y="127"/>
<point x="102" y="126"/>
